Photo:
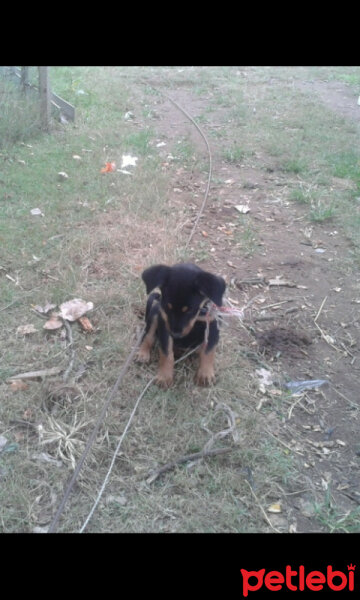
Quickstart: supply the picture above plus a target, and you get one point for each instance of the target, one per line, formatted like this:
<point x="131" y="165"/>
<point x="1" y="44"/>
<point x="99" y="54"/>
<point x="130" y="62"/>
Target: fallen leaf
<point x="28" y="413"/>
<point x="275" y="508"/>
<point x="265" y="376"/>
<point x="109" y="167"/>
<point x="43" y="309"/>
<point x="86" y="325"/>
<point x="26" y="329"/>
<point x="74" y="309"/>
<point x="53" y="323"/>
<point x="19" y="385"/>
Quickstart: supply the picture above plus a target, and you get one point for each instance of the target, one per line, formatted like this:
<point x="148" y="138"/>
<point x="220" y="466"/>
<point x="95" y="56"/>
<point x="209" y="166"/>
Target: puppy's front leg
<point x="206" y="372"/>
<point x="165" y="374"/>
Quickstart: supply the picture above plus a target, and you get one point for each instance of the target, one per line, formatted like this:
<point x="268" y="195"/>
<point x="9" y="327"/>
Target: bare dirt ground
<point x="311" y="328"/>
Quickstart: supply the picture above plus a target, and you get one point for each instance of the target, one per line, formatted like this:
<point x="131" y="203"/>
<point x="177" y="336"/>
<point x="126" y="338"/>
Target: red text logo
<point x="298" y="580"/>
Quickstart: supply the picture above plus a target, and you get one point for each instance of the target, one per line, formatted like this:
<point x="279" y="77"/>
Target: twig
<point x="293" y="406"/>
<point x="323" y="335"/>
<point x="72" y="358"/>
<point x="261" y="508"/>
<point x="36" y="374"/>
<point x="345" y="398"/>
<point x="283" y="443"/>
<point x="277" y="303"/>
<point x="183" y="459"/>
<point x="320" y="309"/>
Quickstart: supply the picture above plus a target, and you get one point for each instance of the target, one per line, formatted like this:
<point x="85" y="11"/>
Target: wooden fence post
<point x="24" y="79"/>
<point x="44" y="89"/>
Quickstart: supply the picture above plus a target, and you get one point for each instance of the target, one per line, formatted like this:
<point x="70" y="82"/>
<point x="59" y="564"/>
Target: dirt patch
<point x="280" y="340"/>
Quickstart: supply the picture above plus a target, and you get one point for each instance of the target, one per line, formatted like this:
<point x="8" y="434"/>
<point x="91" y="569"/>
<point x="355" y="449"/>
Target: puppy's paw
<point x="205" y="377"/>
<point x="143" y="355"/>
<point x="164" y="379"/>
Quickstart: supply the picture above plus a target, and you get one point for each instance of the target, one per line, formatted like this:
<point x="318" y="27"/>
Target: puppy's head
<point x="185" y="288"/>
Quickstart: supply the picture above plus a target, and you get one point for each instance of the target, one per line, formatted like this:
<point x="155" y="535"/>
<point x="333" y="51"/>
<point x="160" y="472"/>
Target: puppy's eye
<point x="184" y="309"/>
<point x="170" y="306"/>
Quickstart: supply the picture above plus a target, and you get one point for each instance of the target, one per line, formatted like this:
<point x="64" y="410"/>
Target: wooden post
<point x="24" y="79"/>
<point x="44" y="89"/>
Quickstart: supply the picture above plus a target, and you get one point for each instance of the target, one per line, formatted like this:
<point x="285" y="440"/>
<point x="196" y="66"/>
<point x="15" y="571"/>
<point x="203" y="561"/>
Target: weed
<point x="333" y="519"/>
<point x="19" y="115"/>
<point x="298" y="195"/>
<point x="234" y="155"/>
<point x="346" y="165"/>
<point x="321" y="212"/>
<point x="293" y="165"/>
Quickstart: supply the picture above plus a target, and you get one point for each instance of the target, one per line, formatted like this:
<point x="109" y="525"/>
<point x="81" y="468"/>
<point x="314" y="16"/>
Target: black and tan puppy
<point x="179" y="317"/>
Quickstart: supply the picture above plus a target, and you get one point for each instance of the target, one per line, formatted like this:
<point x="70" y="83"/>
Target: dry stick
<point x="183" y="459"/>
<point x="345" y="398"/>
<point x="323" y="335"/>
<point x="72" y="358"/>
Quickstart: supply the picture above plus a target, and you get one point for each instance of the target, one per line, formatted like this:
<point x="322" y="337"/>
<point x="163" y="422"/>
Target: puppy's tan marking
<point x="143" y="354"/>
<point x="165" y="374"/>
<point x="206" y="374"/>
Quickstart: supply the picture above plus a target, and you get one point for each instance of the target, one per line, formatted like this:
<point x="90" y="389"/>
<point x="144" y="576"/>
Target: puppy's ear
<point x="211" y="286"/>
<point x="155" y="277"/>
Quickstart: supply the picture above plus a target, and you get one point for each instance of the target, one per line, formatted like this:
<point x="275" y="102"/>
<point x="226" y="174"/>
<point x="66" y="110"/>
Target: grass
<point x="335" y="520"/>
<point x="97" y="234"/>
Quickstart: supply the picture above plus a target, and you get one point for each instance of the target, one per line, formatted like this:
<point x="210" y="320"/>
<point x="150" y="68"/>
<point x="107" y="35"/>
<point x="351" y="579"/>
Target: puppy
<point x="179" y="317"/>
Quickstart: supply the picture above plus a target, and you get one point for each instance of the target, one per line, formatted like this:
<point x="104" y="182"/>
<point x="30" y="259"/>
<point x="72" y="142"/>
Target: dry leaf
<point x="86" y="325"/>
<point x="275" y="508"/>
<point x="44" y="309"/>
<point x="74" y="309"/>
<point x="53" y="323"/>
<point x="19" y="385"/>
<point x="26" y="329"/>
<point x="265" y="376"/>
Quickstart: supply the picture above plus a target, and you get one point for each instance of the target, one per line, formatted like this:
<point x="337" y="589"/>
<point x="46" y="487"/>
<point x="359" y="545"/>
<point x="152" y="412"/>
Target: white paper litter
<point x="242" y="208"/>
<point x="128" y="161"/>
<point x="37" y="212"/>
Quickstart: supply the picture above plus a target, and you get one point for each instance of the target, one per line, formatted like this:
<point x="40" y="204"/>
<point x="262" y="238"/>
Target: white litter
<point x="242" y="208"/>
<point x="37" y="212"/>
<point x="128" y="161"/>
